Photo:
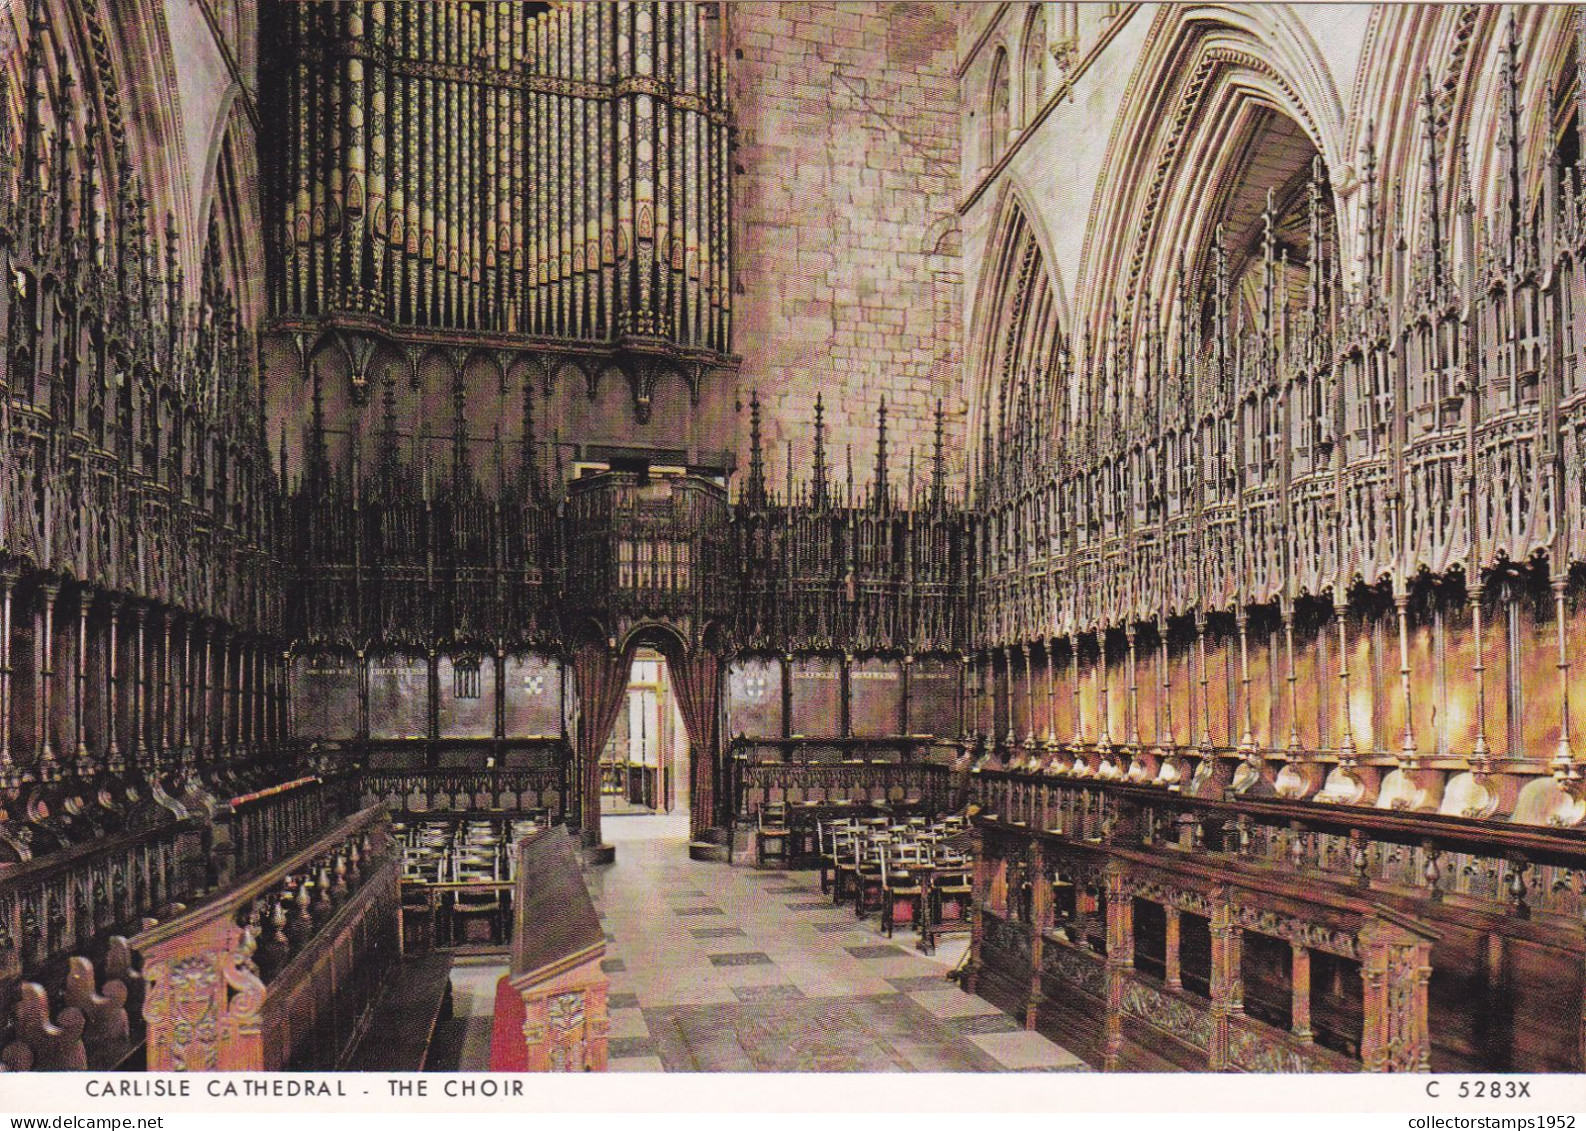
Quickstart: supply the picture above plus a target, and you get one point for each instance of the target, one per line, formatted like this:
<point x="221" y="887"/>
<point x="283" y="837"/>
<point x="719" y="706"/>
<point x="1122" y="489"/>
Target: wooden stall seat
<point x="417" y="1002"/>
<point x="947" y="906"/>
<point x="418" y="919"/>
<point x="901" y="883"/>
<point x="772" y="834"/>
<point x="870" y="880"/>
<point x="478" y="917"/>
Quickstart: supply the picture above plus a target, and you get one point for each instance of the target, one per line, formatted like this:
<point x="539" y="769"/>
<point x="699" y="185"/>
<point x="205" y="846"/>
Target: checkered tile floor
<point x="716" y="968"/>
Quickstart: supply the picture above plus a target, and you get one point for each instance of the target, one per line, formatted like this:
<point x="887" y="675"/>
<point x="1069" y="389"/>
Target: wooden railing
<point x="262" y="827"/>
<point x="1503" y="906"/>
<point x="280" y="971"/>
<point x="1056" y="937"/>
<point x="69" y="910"/>
<point x="551" y="1008"/>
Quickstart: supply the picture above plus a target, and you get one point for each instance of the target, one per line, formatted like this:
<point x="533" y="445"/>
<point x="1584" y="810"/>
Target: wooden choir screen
<point x="1059" y="938"/>
<point x="278" y="972"/>
<point x="1147" y="929"/>
<point x="550" y="1011"/>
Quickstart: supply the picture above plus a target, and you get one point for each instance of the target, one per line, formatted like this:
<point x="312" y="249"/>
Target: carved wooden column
<point x="362" y="660"/>
<point x="1227" y="989"/>
<point x="1205" y="682"/>
<point x="1563" y="756"/>
<point x="1173" y="975"/>
<point x="7" y="764"/>
<point x="81" y="758"/>
<point x="907" y="694"/>
<point x="1134" y="739"/>
<point x="1050" y="737"/>
<point x="964" y="703"/>
<point x="845" y="694"/>
<point x="1293" y="677"/>
<point x="167" y="696"/>
<point x="44" y="677"/>
<point x="1247" y="740"/>
<point x="986" y="721"/>
<point x="1346" y="738"/>
<point x="1396" y="965"/>
<point x="1166" y="740"/>
<point x="1300" y="982"/>
<point x="1104" y="734"/>
<point x="1120" y="960"/>
<point x="977" y="924"/>
<point x="1029" y="700"/>
<point x="1040" y="920"/>
<point x="260" y="682"/>
<point x="1078" y="741"/>
<point x="140" y="694"/>
<point x="203" y="684"/>
<point x="1480" y="752"/>
<point x="228" y="698"/>
<point x="184" y="694"/>
<point x="113" y="689"/>
<point x="1408" y="756"/>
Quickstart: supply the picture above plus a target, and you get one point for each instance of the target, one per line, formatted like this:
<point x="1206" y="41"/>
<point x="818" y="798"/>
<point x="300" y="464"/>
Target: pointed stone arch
<point x="1209" y="80"/>
<point x="1018" y="318"/>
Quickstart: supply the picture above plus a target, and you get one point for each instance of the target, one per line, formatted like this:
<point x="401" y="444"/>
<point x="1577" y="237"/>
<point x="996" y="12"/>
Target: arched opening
<point x="644" y="767"/>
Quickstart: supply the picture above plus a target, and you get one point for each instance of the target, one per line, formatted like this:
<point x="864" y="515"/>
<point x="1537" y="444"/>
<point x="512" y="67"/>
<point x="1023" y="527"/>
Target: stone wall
<point x="847" y="254"/>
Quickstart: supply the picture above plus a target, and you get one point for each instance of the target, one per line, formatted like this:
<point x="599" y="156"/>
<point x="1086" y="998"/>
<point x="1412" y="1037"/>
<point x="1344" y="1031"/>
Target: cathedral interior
<point x="681" y="536"/>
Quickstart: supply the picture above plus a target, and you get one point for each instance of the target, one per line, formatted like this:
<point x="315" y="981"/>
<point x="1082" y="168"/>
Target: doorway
<point x="644" y="765"/>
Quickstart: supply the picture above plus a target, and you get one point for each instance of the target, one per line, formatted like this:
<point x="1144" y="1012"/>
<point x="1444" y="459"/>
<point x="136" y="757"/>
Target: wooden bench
<point x="406" y="1017"/>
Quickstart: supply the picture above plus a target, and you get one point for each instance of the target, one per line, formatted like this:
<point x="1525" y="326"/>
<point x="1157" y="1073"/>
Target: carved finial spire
<point x="388" y="435"/>
<point x="938" y="462"/>
<point x="1373" y="264"/>
<point x="881" y="499"/>
<point x="1431" y="218"/>
<point x="818" y="479"/>
<point x="1509" y="129"/>
<point x="319" y="457"/>
<point x="756" y="485"/>
<point x="529" y="464"/>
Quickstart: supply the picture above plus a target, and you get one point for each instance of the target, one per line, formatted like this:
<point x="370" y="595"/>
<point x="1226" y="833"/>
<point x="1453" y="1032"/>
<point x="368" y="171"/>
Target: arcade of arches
<point x="1103" y="484"/>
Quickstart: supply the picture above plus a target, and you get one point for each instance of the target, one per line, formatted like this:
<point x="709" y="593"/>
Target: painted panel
<point x="325" y="698"/>
<point x="875" y="689"/>
<point x="533" y="697"/>
<point x="817" y="698"/>
<point x="754" y="698"/>
<point x="467" y="707"/>
<point x="398" y="697"/>
<point x="933" y="698"/>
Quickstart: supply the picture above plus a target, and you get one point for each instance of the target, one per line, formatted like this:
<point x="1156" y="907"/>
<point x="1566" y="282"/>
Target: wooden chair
<point x="418" y="919"/>
<point x="771" y="838"/>
<point x="845" y="875"/>
<point x="826" y="861"/>
<point x="902" y="890"/>
<point x="947" y="906"/>
<point x="870" y="894"/>
<point x="477" y="915"/>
